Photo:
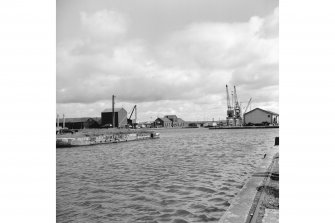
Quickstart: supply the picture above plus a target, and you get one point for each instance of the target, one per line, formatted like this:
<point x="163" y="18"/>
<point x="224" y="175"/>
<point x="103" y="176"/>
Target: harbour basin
<point x="188" y="175"/>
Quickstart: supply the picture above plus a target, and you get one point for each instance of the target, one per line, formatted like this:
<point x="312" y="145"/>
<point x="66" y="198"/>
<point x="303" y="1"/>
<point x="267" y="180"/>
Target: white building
<point x="259" y="116"/>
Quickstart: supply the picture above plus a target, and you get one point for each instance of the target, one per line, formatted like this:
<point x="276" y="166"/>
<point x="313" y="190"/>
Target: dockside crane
<point x="247" y="106"/>
<point x="237" y="107"/>
<point x="130" y="121"/>
<point x="228" y="99"/>
<point x="230" y="110"/>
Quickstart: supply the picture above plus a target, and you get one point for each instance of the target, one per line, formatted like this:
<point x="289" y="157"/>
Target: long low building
<point x="169" y="121"/>
<point x="259" y="116"/>
<point x="80" y="123"/>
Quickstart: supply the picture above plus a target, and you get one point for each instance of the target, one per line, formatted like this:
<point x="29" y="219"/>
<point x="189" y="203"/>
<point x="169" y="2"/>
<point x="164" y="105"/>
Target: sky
<point x="166" y="56"/>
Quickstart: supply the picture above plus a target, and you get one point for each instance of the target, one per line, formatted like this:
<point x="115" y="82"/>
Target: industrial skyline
<point x="167" y="57"/>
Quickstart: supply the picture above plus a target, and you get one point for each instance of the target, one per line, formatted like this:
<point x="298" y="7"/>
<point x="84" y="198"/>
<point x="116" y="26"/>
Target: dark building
<point x="194" y="125"/>
<point x="120" y="117"/>
<point x="162" y="122"/>
<point x="80" y="123"/>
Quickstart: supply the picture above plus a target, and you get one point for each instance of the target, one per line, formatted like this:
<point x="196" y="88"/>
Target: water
<point x="188" y="175"/>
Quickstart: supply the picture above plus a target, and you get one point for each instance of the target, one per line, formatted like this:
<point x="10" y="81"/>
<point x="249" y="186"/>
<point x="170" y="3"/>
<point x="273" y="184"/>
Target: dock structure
<point x="249" y="205"/>
<point x="244" y="127"/>
<point x="96" y="138"/>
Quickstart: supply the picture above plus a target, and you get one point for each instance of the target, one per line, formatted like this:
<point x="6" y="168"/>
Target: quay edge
<point x="106" y="138"/>
<point x="245" y="127"/>
<point x="242" y="208"/>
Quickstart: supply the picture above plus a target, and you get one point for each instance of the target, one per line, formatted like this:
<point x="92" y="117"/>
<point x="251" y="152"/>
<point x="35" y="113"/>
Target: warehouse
<point x="120" y="117"/>
<point x="259" y="116"/>
<point x="176" y="122"/>
<point x="162" y="122"/>
<point x="80" y="123"/>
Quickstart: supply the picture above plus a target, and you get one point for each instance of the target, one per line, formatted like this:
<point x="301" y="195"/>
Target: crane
<point x="247" y="106"/>
<point x="228" y="99"/>
<point x="230" y="111"/>
<point x="134" y="109"/>
<point x="237" y="105"/>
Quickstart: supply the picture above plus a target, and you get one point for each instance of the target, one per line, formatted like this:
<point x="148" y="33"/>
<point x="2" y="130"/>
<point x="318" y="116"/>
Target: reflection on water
<point x="188" y="175"/>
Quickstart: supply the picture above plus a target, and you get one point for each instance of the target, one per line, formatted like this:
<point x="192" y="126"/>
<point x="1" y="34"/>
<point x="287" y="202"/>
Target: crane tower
<point x="234" y="116"/>
<point x="230" y="110"/>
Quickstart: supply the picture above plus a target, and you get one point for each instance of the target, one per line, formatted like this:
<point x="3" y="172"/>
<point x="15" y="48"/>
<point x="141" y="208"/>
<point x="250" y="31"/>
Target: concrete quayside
<point x="245" y="127"/>
<point x="258" y="200"/>
<point x="102" y="137"/>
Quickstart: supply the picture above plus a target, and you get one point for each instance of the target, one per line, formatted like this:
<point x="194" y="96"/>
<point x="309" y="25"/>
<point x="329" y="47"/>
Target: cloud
<point x="104" y="24"/>
<point x="190" y="66"/>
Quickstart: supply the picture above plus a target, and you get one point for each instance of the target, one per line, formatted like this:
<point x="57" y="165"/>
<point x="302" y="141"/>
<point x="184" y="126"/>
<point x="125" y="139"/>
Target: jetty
<point x="103" y="136"/>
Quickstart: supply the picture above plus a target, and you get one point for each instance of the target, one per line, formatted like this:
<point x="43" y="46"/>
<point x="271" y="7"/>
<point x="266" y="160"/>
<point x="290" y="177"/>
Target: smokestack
<point x="57" y="120"/>
<point x="113" y="113"/>
<point x="63" y="121"/>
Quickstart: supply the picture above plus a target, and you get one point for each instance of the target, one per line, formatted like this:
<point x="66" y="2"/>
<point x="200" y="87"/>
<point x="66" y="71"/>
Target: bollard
<point x="277" y="141"/>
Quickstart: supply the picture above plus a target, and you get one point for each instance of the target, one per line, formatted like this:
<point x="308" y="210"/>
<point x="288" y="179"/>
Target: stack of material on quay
<point x="103" y="136"/>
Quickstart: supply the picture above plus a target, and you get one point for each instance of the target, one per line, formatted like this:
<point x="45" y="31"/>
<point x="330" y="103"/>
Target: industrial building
<point x="194" y="125"/>
<point x="120" y="115"/>
<point x="80" y="123"/>
<point x="259" y="116"/>
<point x="176" y="122"/>
<point x="210" y="124"/>
<point x="162" y="122"/>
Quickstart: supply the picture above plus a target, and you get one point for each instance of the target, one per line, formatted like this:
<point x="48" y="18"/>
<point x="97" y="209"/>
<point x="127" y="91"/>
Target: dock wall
<point x="245" y="127"/>
<point x="103" y="139"/>
<point x="239" y="210"/>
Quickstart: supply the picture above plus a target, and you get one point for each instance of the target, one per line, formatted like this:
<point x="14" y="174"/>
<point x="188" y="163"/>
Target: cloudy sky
<point x="166" y="57"/>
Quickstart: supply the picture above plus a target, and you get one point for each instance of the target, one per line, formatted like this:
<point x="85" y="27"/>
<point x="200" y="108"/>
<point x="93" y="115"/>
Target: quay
<point x="244" y="127"/>
<point x="99" y="136"/>
<point x="258" y="200"/>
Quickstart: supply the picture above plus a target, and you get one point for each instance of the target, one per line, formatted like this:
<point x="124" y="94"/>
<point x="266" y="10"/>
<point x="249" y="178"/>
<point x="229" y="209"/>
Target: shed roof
<point x="180" y="120"/>
<point x="111" y="109"/>
<point x="164" y="119"/>
<point x="269" y="112"/>
<point x="76" y="120"/>
<point x="170" y="116"/>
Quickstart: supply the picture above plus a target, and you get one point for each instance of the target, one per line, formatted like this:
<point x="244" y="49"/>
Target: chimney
<point x="63" y="121"/>
<point x="57" y="120"/>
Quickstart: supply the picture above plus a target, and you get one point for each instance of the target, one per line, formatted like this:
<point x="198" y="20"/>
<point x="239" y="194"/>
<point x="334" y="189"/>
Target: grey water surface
<point x="188" y="175"/>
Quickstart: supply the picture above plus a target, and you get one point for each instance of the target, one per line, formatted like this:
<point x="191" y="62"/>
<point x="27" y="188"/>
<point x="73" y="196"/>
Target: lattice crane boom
<point x="228" y="99"/>
<point x="247" y="106"/>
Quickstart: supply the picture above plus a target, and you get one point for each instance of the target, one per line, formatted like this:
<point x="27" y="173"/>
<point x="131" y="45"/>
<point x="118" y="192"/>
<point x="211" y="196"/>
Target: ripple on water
<point x="203" y="189"/>
<point x="179" y="220"/>
<point x="182" y="213"/>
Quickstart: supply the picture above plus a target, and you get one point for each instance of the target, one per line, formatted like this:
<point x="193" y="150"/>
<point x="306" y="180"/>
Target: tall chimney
<point x="57" y="120"/>
<point x="63" y="121"/>
<point x="113" y="113"/>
